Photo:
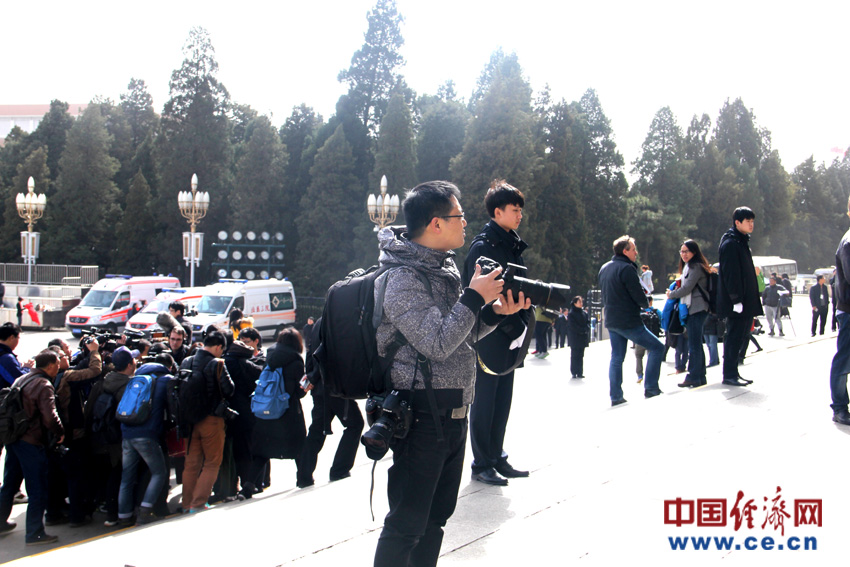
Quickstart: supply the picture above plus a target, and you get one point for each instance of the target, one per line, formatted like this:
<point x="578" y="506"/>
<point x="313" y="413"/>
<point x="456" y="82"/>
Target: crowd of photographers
<point x="79" y="463"/>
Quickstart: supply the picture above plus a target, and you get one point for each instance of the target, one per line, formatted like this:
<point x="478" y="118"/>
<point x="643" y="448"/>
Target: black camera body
<point x="549" y="295"/>
<point x="389" y="417"/>
<point x="133" y="338"/>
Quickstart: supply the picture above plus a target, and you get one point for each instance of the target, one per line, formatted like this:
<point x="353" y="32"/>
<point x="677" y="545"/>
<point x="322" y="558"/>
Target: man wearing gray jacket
<point x="439" y="324"/>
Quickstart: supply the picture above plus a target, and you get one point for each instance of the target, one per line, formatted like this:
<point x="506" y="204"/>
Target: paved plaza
<point x="601" y="481"/>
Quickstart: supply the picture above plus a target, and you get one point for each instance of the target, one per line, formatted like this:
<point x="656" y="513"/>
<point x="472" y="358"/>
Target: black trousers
<point x="820" y="312"/>
<point x="422" y="488"/>
<point x="325" y="409"/>
<point x="736" y="332"/>
<point x="577" y="360"/>
<point x="488" y="419"/>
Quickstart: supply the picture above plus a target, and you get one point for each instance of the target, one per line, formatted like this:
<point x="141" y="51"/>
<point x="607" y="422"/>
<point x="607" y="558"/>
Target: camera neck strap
<point x="521" y="353"/>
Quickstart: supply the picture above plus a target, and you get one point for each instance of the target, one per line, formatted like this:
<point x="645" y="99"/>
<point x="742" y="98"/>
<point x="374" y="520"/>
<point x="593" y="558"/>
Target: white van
<point x="145" y="320"/>
<point x="270" y="302"/>
<point x="107" y="303"/>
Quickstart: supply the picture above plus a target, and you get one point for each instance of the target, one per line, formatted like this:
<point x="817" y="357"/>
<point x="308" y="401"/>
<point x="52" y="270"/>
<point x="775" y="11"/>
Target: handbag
<point x="675" y="327"/>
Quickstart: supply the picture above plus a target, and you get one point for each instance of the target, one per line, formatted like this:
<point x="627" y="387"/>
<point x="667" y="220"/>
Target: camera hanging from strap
<point x="522" y="351"/>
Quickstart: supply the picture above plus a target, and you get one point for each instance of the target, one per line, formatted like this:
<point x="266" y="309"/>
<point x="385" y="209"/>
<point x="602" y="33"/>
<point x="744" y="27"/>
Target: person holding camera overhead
<point x="488" y="416"/>
<point x="439" y="325"/>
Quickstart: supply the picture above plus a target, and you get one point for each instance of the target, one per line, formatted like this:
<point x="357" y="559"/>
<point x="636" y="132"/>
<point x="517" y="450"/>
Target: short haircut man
<point x="8" y="330"/>
<point x="45" y="358"/>
<point x="819" y="299"/>
<point x="425" y="202"/>
<point x="178" y="308"/>
<point x="500" y="195"/>
<point x="215" y="338"/>
<point x="424" y="481"/>
<point x="624" y="299"/>
<point x="488" y="419"/>
<point x="250" y="333"/>
<point x="738" y="292"/>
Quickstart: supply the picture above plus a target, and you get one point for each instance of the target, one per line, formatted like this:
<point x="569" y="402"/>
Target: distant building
<point x="27" y="116"/>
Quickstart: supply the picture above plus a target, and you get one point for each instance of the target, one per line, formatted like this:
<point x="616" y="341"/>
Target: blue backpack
<point x="136" y="404"/>
<point x="270" y="400"/>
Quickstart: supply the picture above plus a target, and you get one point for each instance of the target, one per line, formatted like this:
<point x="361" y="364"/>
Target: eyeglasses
<point x="685" y="252"/>
<point x="460" y="216"/>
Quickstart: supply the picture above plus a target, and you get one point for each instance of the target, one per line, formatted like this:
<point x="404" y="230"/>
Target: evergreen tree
<point x="721" y="193"/>
<point x="329" y="216"/>
<point x="258" y="192"/>
<point x="194" y="139"/>
<point x="819" y="219"/>
<point x="298" y="134"/>
<point x="441" y="135"/>
<point x="776" y="188"/>
<point x="83" y="213"/>
<point x="603" y="184"/>
<point x="374" y="71"/>
<point x="396" y="157"/>
<point x="664" y="204"/>
<point x="33" y="165"/>
<point x="132" y="234"/>
<point x="137" y="105"/>
<point x="561" y="218"/>
<point x="51" y="132"/>
<point x="500" y="144"/>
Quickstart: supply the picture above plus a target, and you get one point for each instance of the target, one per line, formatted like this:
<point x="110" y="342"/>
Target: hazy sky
<point x="787" y="62"/>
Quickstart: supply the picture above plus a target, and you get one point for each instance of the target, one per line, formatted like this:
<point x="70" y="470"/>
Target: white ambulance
<point x="145" y="320"/>
<point x="270" y="302"/>
<point x="107" y="303"/>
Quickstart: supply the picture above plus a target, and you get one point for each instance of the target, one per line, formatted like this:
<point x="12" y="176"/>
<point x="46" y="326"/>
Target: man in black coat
<point x="488" y="418"/>
<point x="325" y="409"/>
<point x="738" y="293"/>
<point x="819" y="298"/>
<point x="624" y="299"/>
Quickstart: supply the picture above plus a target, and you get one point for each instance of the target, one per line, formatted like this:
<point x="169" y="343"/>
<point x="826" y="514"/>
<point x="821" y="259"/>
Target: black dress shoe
<point x="736" y="381"/>
<point x="842" y="417"/>
<point x="689" y="384"/>
<point x="507" y="471"/>
<point x="490" y="477"/>
<point x="618" y="402"/>
<point x="652" y="394"/>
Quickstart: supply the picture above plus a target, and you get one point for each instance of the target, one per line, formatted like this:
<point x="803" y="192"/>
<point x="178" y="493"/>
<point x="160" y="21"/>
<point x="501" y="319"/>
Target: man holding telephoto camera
<point x="488" y="418"/>
<point x="437" y="324"/>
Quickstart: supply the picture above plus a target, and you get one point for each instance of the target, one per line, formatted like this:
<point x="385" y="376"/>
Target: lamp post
<point x="383" y="209"/>
<point x="193" y="207"/>
<point x="30" y="208"/>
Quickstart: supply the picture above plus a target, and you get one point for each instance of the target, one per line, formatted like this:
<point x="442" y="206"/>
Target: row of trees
<point x="112" y="176"/>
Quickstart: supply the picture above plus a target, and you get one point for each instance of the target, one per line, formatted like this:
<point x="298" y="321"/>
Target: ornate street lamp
<point x="383" y="209"/>
<point x="30" y="208"/>
<point x="193" y="207"/>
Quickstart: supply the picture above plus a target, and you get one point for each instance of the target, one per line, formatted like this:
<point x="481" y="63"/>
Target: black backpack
<point x="14" y="420"/>
<point x="710" y="295"/>
<point x="105" y="428"/>
<point x="193" y="398"/>
<point x="347" y="352"/>
<point x="652" y="321"/>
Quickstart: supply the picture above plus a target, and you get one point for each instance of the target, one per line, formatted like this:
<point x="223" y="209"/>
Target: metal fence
<point x="308" y="307"/>
<point x="50" y="274"/>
